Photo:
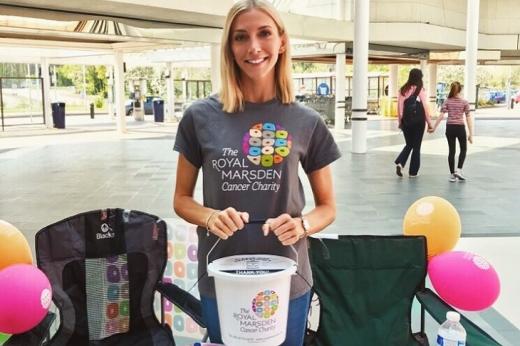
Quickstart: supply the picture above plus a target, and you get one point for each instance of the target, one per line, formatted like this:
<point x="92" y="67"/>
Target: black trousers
<point x="453" y="133"/>
<point x="413" y="136"/>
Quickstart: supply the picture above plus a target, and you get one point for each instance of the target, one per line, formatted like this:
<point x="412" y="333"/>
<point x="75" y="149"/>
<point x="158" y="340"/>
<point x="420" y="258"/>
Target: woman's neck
<point x="258" y="91"/>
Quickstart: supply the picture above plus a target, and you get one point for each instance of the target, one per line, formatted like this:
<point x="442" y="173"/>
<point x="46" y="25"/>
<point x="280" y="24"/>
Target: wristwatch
<point x="306" y="227"/>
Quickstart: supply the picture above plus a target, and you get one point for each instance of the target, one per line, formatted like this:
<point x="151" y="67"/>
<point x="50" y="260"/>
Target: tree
<point x="96" y="81"/>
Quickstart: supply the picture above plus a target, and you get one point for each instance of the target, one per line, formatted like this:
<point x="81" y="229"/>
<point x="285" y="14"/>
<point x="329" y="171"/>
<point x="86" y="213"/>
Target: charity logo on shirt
<point x="266" y="144"/>
<point x="256" y="167"/>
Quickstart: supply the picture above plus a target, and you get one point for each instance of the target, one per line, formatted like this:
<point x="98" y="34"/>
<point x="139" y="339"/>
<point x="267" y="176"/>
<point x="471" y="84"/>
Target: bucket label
<point x="261" y="317"/>
<point x="251" y="272"/>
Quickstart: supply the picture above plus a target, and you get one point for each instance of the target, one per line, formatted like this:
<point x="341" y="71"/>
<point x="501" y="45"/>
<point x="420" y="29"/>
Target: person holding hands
<point x="458" y="114"/>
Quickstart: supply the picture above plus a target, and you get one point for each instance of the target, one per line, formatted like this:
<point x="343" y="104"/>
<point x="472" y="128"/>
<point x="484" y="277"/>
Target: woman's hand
<point x="470" y="139"/>
<point x="288" y="230"/>
<point x="224" y="223"/>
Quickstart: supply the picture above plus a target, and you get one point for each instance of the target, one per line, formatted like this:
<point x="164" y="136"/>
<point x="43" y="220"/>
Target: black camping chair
<point x="105" y="267"/>
<point x="366" y="286"/>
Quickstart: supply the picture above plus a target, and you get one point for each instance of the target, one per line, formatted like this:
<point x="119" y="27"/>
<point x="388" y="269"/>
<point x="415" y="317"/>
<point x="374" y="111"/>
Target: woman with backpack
<point x="456" y="107"/>
<point x="413" y="112"/>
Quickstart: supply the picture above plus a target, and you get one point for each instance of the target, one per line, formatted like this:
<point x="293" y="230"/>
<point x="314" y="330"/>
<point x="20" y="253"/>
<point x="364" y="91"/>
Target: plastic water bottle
<point x="451" y="332"/>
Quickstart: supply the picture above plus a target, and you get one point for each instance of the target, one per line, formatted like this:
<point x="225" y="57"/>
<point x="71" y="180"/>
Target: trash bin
<point x="58" y="114"/>
<point x="158" y="111"/>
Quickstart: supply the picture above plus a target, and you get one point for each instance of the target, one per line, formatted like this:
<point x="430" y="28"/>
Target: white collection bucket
<point x="253" y="298"/>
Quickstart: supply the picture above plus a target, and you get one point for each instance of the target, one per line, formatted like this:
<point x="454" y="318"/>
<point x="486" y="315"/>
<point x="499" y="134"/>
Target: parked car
<point x="497" y="96"/>
<point x="516" y="97"/>
<point x="129" y="107"/>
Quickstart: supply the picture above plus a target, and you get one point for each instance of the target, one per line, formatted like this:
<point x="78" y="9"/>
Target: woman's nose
<point x="254" y="46"/>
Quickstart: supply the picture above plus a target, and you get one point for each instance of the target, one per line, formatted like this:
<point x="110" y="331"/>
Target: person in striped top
<point x="458" y="114"/>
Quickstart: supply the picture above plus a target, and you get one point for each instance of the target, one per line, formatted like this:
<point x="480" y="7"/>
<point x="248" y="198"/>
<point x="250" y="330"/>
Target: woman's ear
<point x="283" y="44"/>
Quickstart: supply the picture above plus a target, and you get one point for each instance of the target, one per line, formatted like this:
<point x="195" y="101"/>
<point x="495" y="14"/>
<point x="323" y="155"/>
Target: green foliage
<point x="72" y="75"/>
<point x="99" y="101"/>
<point x="149" y="74"/>
<point x="69" y="75"/>
<point x="482" y="103"/>
<point x="96" y="80"/>
<point x="309" y="67"/>
<point x="13" y="70"/>
<point x="450" y="74"/>
<point x="379" y="68"/>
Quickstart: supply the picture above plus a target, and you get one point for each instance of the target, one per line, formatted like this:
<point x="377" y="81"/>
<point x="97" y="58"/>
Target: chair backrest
<point x="103" y="266"/>
<point x="366" y="285"/>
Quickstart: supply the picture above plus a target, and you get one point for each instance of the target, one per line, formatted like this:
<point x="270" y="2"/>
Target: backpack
<point x="413" y="111"/>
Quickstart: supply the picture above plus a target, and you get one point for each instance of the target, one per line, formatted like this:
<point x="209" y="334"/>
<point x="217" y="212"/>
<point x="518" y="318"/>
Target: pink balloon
<point x="464" y="280"/>
<point x="24" y="299"/>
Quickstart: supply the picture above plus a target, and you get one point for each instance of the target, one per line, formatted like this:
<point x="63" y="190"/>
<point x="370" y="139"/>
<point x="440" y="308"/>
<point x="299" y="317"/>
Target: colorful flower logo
<point x="265" y="304"/>
<point x="266" y="144"/>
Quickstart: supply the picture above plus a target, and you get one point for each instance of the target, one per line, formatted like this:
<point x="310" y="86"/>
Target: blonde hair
<point x="231" y="96"/>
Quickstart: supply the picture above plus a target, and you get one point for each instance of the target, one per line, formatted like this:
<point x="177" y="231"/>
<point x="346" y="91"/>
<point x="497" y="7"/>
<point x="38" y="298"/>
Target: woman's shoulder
<point x="303" y="110"/>
<point x="204" y="106"/>
<point x="457" y="100"/>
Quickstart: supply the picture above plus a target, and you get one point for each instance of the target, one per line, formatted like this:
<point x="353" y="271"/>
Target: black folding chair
<point x="105" y="267"/>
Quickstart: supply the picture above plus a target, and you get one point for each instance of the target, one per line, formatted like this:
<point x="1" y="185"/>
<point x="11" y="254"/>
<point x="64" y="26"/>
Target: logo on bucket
<point x="265" y="304"/>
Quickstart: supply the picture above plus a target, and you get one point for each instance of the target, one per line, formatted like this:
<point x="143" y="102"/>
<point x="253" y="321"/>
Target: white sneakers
<point x="457" y="176"/>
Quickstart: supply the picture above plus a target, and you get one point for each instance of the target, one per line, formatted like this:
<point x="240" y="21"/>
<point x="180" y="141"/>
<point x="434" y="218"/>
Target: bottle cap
<point x="453" y="316"/>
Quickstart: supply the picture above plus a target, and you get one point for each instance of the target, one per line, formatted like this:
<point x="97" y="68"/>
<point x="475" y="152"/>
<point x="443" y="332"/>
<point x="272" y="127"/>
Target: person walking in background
<point x="249" y="142"/>
<point x="456" y="107"/>
<point x="413" y="112"/>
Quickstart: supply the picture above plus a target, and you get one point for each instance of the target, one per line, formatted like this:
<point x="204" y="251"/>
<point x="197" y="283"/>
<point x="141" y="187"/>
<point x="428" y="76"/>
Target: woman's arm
<point x="400" y="104"/>
<point x="424" y="101"/>
<point x="289" y="230"/>
<point x="437" y="122"/>
<point x="222" y="223"/>
<point x="469" y="120"/>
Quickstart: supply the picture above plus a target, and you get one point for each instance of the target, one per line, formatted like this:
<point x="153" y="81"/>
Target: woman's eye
<point x="265" y="33"/>
<point x="240" y="37"/>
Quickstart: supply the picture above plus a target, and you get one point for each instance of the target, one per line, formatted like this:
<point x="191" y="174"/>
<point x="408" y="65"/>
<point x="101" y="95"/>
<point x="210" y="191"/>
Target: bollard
<point x="91" y="111"/>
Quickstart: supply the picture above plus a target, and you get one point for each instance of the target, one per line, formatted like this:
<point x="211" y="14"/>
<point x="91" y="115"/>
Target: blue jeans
<point x="296" y="321"/>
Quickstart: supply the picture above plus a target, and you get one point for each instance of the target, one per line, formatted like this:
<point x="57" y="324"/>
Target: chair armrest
<point x="35" y="336"/>
<point x="183" y="300"/>
<point x="437" y="308"/>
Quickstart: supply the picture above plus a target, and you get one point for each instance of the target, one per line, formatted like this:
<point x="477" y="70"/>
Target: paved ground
<point x="48" y="174"/>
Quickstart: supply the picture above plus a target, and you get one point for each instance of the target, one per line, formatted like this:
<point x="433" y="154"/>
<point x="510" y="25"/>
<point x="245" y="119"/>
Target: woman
<point x="456" y="107"/>
<point x="249" y="141"/>
<point x="412" y="96"/>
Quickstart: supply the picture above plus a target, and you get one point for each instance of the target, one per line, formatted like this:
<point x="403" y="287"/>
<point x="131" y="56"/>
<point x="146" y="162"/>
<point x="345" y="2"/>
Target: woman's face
<point x="256" y="44"/>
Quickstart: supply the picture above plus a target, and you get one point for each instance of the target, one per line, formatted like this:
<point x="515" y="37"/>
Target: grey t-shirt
<point x="250" y="162"/>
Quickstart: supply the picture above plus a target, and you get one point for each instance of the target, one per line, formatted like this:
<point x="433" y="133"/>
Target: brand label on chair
<point x="105" y="233"/>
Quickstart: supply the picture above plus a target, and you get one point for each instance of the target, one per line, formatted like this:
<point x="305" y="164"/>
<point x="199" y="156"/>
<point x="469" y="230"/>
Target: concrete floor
<point x="48" y="174"/>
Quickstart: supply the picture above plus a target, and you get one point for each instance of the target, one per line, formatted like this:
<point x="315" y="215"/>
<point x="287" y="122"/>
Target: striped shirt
<point x="455" y="107"/>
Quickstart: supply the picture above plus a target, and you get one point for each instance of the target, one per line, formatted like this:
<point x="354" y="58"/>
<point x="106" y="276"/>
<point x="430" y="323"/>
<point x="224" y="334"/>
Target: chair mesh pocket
<point x="108" y="303"/>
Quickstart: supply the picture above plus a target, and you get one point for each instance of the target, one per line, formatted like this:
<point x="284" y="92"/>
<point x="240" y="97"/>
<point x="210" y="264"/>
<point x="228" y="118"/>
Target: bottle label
<point x="445" y="342"/>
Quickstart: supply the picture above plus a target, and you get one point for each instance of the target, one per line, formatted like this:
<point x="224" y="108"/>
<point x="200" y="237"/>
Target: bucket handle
<point x="293" y="249"/>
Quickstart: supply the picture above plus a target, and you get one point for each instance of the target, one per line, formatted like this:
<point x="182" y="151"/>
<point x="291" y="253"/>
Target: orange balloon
<point x="14" y="248"/>
<point x="436" y="219"/>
